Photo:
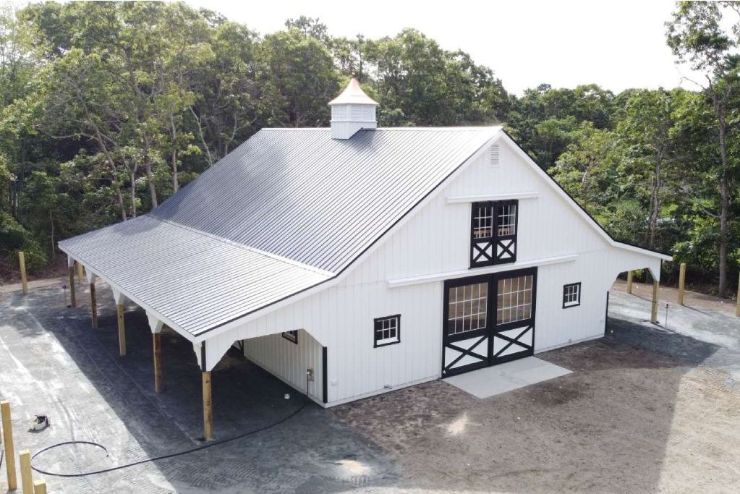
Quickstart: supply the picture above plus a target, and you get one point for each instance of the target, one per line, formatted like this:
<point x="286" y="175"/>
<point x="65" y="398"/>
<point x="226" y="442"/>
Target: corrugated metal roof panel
<point x="302" y="195"/>
<point x="193" y="279"/>
<point x="286" y="210"/>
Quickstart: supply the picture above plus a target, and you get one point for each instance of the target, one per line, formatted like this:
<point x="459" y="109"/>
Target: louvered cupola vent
<point x="351" y="111"/>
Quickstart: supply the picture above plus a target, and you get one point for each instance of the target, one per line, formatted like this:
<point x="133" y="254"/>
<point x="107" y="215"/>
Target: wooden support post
<point x="39" y="487"/>
<point x="93" y="305"/>
<point x="737" y="297"/>
<point x="80" y="272"/>
<point x="629" y="282"/>
<point x="121" y="330"/>
<point x="26" y="476"/>
<point x="9" y="447"/>
<point x="22" y="265"/>
<point x="157" y="347"/>
<point x="654" y="307"/>
<point x="207" y="407"/>
<point x="72" y="299"/>
<point x="681" y="283"/>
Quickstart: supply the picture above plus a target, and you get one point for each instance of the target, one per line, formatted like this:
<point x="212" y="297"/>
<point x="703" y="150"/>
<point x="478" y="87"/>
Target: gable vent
<point x="494" y="155"/>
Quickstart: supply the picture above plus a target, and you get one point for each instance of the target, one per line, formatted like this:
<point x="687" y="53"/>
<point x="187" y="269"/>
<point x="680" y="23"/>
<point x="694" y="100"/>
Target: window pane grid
<point x="506" y="220"/>
<point x="483" y="222"/>
<point x="571" y="294"/>
<point x="467" y="308"/>
<point x="387" y="330"/>
<point x="514" y="299"/>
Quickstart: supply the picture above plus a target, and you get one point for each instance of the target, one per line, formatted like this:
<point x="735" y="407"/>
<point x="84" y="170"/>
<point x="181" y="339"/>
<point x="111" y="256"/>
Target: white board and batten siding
<point x="405" y="275"/>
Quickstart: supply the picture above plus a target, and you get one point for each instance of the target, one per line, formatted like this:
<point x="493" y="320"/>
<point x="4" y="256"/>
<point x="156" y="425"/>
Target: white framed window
<point x="506" y="224"/>
<point x="571" y="295"/>
<point x="387" y="330"/>
<point x="291" y="336"/>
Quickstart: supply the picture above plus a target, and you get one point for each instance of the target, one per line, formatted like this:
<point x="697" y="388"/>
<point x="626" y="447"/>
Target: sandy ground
<point x="647" y="409"/>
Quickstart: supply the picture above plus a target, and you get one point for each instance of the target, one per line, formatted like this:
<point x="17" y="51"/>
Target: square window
<point x="291" y="336"/>
<point x="571" y="295"/>
<point x="387" y="330"/>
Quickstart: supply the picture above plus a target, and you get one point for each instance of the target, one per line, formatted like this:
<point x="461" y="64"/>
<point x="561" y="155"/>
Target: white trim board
<point x="492" y="197"/>
<point x="432" y="278"/>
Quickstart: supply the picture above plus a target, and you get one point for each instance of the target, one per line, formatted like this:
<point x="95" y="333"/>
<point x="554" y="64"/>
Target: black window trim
<point x="578" y="302"/>
<point x="398" y="331"/>
<point x="291" y="336"/>
<point x="494" y="233"/>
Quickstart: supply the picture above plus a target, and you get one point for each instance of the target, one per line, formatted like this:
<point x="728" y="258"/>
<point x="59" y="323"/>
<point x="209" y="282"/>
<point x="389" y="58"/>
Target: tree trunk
<point x="724" y="202"/>
<point x="53" y="243"/>
<point x="175" y="181"/>
<point x="133" y="194"/>
<point x="121" y="204"/>
<point x="654" y="205"/>
<point x="152" y="186"/>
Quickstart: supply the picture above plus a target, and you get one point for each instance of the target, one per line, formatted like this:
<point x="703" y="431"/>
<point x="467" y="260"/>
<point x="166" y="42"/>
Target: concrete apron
<point x="491" y="381"/>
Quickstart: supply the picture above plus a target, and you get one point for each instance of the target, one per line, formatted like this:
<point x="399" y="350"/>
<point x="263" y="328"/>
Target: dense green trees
<point x="106" y="109"/>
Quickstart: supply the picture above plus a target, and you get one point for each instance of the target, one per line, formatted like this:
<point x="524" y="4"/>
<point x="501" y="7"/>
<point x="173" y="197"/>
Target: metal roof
<point x="302" y="195"/>
<point x="286" y="210"/>
<point x="190" y="278"/>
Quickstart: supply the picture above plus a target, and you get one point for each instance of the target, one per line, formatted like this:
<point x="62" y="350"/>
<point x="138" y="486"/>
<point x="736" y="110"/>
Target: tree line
<point x="107" y="109"/>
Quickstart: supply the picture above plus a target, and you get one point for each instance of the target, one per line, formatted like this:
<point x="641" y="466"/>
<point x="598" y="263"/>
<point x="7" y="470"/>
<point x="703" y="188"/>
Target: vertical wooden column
<point x="26" y="475"/>
<point x="72" y="299"/>
<point x="80" y="272"/>
<point x="681" y="283"/>
<point x="629" y="282"/>
<point x="737" y="297"/>
<point x="207" y="407"/>
<point x="654" y="306"/>
<point x="93" y="305"/>
<point x="39" y="487"/>
<point x="157" y="351"/>
<point x="9" y="447"/>
<point x="121" y="330"/>
<point x="22" y="266"/>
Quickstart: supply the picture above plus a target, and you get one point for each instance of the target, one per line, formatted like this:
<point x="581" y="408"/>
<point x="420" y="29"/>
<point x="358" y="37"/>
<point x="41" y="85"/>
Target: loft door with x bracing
<point x="493" y="233"/>
<point x="488" y="319"/>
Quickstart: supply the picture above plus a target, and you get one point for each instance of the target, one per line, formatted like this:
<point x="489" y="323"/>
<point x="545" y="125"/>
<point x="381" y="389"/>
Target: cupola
<point x="351" y="111"/>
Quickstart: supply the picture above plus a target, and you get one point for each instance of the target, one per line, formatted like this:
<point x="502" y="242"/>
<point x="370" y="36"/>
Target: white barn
<point x="353" y="260"/>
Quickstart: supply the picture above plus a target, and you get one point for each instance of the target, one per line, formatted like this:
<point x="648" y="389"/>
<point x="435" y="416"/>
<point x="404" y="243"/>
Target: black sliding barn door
<point x="488" y="320"/>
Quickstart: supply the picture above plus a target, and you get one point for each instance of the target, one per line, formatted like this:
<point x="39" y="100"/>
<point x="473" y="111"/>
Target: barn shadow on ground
<point x="603" y="428"/>
<point x="306" y="449"/>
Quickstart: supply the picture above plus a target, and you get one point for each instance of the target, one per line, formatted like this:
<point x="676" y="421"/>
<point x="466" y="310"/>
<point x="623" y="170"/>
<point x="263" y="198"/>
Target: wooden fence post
<point x="9" y="448"/>
<point x="22" y="264"/>
<point x="737" y="297"/>
<point x="26" y="475"/>
<point x="39" y="487"/>
<point x="629" y="282"/>
<point x="681" y="283"/>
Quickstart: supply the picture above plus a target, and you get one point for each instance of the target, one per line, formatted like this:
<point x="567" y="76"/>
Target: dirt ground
<point x="648" y="408"/>
<point x="641" y="412"/>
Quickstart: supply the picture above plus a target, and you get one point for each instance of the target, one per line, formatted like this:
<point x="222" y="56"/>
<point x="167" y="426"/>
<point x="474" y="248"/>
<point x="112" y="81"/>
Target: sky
<point x="564" y="43"/>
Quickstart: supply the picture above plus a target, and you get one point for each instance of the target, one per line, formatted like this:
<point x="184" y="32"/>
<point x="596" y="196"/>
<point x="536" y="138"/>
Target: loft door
<point x="488" y="320"/>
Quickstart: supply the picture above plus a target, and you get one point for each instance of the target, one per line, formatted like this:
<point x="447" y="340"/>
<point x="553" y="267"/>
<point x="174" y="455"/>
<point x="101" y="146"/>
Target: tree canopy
<point x="107" y="109"/>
